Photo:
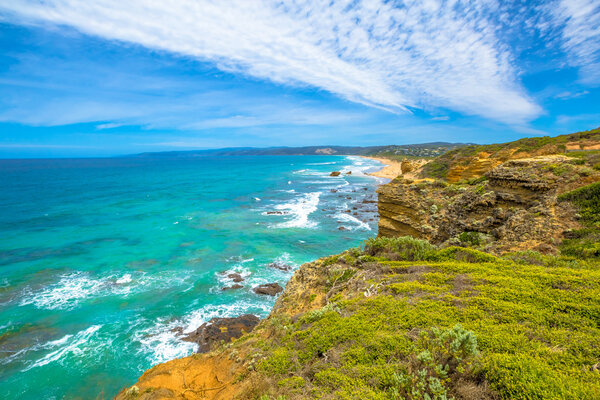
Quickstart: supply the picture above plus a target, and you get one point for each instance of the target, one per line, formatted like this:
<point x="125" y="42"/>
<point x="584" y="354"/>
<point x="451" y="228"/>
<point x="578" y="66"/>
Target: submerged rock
<point x="335" y="173"/>
<point x="349" y="173"/>
<point x="280" y="266"/>
<point x="232" y="287"/>
<point x="270" y="289"/>
<point x="221" y="329"/>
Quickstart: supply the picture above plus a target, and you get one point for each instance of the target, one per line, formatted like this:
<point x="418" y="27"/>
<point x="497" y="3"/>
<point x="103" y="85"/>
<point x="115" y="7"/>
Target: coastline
<point x="391" y="169"/>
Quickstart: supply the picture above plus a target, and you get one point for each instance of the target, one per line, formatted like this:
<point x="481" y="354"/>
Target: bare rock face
<point x="406" y="167"/>
<point x="269" y="289"/>
<point x="335" y="173"/>
<point x="221" y="329"/>
<point x="512" y="207"/>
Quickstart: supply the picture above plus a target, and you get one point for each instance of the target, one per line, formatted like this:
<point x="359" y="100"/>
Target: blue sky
<point x="108" y="77"/>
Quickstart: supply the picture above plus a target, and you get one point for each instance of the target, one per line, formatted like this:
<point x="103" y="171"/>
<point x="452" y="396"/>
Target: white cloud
<point x="390" y="55"/>
<point x="110" y="125"/>
<point x="581" y="36"/>
<point x="570" y="95"/>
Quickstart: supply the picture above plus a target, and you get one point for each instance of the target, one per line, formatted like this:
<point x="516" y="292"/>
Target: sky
<point x="109" y="77"/>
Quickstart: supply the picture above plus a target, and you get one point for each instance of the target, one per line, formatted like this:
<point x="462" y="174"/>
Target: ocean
<point x="101" y="260"/>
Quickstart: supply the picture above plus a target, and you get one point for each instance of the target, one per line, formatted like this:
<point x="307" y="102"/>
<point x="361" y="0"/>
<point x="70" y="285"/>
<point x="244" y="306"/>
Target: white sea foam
<point x="67" y="345"/>
<point x="76" y="287"/>
<point x="299" y="209"/>
<point x="322" y="163"/>
<point x="286" y="258"/>
<point x="126" y="278"/>
<point x="65" y="294"/>
<point x="359" y="166"/>
<point x="358" y="224"/>
<point x="161" y="342"/>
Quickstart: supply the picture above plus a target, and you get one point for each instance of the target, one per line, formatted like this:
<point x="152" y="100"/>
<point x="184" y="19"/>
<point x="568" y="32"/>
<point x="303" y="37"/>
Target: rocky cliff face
<point x="507" y="207"/>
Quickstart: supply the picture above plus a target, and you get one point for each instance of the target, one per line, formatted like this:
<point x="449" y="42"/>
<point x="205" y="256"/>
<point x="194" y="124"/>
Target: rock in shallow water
<point x="335" y="173"/>
<point x="280" y="266"/>
<point x="236" y="286"/>
<point x="270" y="289"/>
<point x="218" y="329"/>
<point x="235" y="277"/>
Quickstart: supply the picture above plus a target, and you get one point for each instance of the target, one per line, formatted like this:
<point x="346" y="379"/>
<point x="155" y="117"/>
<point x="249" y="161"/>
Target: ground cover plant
<point x="441" y="324"/>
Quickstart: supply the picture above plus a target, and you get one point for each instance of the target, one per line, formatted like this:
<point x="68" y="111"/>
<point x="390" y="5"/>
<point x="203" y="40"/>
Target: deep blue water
<point x="101" y="258"/>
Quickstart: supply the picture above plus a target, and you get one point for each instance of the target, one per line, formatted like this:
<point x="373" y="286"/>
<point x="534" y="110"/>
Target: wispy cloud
<point x="570" y="95"/>
<point x="110" y="125"/>
<point x="390" y="55"/>
<point x="580" y="20"/>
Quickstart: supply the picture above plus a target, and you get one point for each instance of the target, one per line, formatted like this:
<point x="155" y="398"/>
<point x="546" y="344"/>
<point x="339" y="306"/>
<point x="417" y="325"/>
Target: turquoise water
<point x="100" y="259"/>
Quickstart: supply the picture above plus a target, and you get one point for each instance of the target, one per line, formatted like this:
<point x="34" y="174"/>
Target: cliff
<point x="461" y="308"/>
<point x="506" y="198"/>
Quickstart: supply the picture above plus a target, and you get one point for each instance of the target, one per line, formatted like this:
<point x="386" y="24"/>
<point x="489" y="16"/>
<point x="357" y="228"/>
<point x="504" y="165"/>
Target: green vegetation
<point x="470" y="238"/>
<point x="462" y="156"/>
<point x="415" y="151"/>
<point x="442" y="324"/>
<point x="437" y="168"/>
<point x="587" y="199"/>
<point x="584" y="243"/>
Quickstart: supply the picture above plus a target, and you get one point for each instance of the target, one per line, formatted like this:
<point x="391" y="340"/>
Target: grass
<point x="445" y="323"/>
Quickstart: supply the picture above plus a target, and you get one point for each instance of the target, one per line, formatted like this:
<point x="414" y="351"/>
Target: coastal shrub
<point x="438" y="168"/>
<point x="528" y="257"/>
<point x="400" y="248"/>
<point x="443" y="357"/>
<point x="476" y="181"/>
<point x="587" y="199"/>
<point x="584" y="243"/>
<point x="559" y="169"/>
<point x="495" y="328"/>
<point x="454" y="253"/>
<point x="330" y="260"/>
<point x="315" y="315"/>
<point x="470" y="238"/>
<point x="581" y="248"/>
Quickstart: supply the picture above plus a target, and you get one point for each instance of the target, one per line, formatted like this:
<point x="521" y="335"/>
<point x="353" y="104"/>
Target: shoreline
<point x="390" y="170"/>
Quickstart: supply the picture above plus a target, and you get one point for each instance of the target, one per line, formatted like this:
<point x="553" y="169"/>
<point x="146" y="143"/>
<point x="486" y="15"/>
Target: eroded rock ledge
<point x="512" y="206"/>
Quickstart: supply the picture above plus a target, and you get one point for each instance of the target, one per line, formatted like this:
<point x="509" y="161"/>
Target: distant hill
<point x="415" y="150"/>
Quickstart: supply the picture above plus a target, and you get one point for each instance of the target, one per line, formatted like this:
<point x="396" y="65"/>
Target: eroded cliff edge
<point x="470" y="313"/>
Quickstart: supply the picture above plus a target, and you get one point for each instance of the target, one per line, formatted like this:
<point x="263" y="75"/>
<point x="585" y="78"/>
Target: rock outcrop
<point x="512" y="206"/>
<point x="269" y="289"/>
<point x="237" y="278"/>
<point x="219" y="330"/>
<point x="335" y="173"/>
<point x="232" y="287"/>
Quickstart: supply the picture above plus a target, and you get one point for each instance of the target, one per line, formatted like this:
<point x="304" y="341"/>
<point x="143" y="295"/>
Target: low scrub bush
<point x="400" y="248"/>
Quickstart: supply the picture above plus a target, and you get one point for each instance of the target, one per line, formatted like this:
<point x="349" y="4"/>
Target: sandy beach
<point x="391" y="170"/>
